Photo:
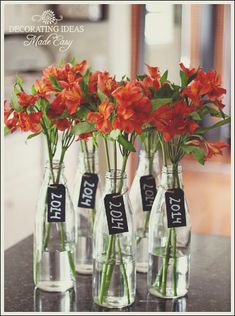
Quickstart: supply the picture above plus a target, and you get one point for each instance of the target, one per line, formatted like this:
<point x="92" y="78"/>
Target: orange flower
<point x="106" y="83"/>
<point x="188" y="72"/>
<point x="57" y="107"/>
<point x="153" y="71"/>
<point x="82" y="67"/>
<point x="101" y="119"/>
<point x="174" y="120"/>
<point x="25" y="122"/>
<point x="133" y="108"/>
<point x="72" y="98"/>
<point x="211" y="149"/>
<point x="214" y="149"/>
<point x="62" y="124"/>
<point x="10" y="120"/>
<point x="26" y="100"/>
<point x="205" y="84"/>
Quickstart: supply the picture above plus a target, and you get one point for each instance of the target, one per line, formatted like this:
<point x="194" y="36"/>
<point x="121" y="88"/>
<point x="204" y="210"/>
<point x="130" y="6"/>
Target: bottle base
<point x="114" y="302"/>
<point x="142" y="267"/>
<point x="86" y="269"/>
<point x="55" y="286"/>
<point x="169" y="293"/>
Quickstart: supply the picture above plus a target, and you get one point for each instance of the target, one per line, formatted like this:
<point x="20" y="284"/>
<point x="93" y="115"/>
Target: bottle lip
<point x="55" y="164"/>
<point x="119" y="175"/>
<point x="170" y="169"/>
<point x="144" y="154"/>
<point x="88" y="155"/>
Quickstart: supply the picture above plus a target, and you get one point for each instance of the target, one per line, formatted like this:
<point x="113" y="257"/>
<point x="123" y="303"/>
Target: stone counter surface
<point x="209" y="284"/>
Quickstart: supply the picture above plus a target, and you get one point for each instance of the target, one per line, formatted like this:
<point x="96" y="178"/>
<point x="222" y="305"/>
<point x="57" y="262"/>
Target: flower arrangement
<point x="70" y="100"/>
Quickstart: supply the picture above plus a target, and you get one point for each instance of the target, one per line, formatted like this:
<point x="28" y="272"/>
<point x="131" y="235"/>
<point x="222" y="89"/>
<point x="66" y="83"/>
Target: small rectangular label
<point x="175" y="208"/>
<point x="115" y="213"/>
<point x="88" y="189"/>
<point x="148" y="191"/>
<point x="56" y="203"/>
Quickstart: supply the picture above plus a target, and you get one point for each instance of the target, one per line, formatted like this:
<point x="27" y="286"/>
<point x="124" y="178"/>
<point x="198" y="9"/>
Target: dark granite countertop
<point x="209" y="284"/>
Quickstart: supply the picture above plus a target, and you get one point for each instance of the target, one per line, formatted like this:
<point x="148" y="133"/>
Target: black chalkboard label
<point x="56" y="203"/>
<point x="175" y="208"/>
<point x="88" y="189"/>
<point x="148" y="191"/>
<point x="115" y="213"/>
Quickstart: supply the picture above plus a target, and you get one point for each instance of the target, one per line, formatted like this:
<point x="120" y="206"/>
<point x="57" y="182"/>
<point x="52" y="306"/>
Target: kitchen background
<point x="120" y="38"/>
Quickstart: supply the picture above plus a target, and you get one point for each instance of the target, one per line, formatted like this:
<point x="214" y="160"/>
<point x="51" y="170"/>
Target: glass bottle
<point x="85" y="217"/>
<point x="54" y="241"/>
<point x="148" y="165"/>
<point x="64" y="302"/>
<point x="169" y="247"/>
<point x="114" y="271"/>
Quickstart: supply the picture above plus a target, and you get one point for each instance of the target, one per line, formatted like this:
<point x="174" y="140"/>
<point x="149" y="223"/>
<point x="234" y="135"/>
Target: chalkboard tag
<point x="175" y="208"/>
<point x="56" y="203"/>
<point x="148" y="191"/>
<point x="115" y="213"/>
<point x="88" y="189"/>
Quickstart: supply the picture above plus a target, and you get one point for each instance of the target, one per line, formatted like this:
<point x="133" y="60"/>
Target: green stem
<point x="158" y="280"/>
<point x="163" y="146"/>
<point x="123" y="270"/>
<point x="87" y="155"/>
<point x="115" y="165"/>
<point x="104" y="279"/>
<point x="173" y="242"/>
<point x="107" y="154"/>
<point x="166" y="262"/>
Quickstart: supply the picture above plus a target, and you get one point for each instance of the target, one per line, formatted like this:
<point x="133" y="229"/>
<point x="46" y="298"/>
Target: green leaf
<point x="203" y="130"/>
<point x="164" y="92"/>
<point x="101" y="95"/>
<point x="184" y="79"/>
<point x="33" y="135"/>
<point x="213" y="112"/>
<point x="141" y="77"/>
<point x="156" y="103"/>
<point x="16" y="90"/>
<point x="61" y="62"/>
<point x="55" y="84"/>
<point x="143" y="136"/>
<point x="82" y="128"/>
<point x="33" y="90"/>
<point x="43" y="104"/>
<point x="84" y="83"/>
<point x="73" y="61"/>
<point x="164" y="77"/>
<point x="196" y="116"/>
<point x="19" y="81"/>
<point x="15" y="103"/>
<point x="197" y="153"/>
<point x="6" y="130"/>
<point x="126" y="144"/>
<point x="115" y="134"/>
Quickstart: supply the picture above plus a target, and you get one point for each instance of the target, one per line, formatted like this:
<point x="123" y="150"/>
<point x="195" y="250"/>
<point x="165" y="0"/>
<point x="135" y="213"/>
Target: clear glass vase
<point x="148" y="165"/>
<point x="114" y="271"/>
<point x="85" y="216"/>
<point x="169" y="238"/>
<point x="54" y="235"/>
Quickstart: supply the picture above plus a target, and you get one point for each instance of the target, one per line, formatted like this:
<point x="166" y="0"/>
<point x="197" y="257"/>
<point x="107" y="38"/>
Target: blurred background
<point x="120" y="38"/>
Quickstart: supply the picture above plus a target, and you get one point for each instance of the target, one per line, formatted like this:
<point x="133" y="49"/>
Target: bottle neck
<point x="148" y="164"/>
<point x="54" y="172"/>
<point x="115" y="182"/>
<point x="88" y="162"/>
<point x="172" y="177"/>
